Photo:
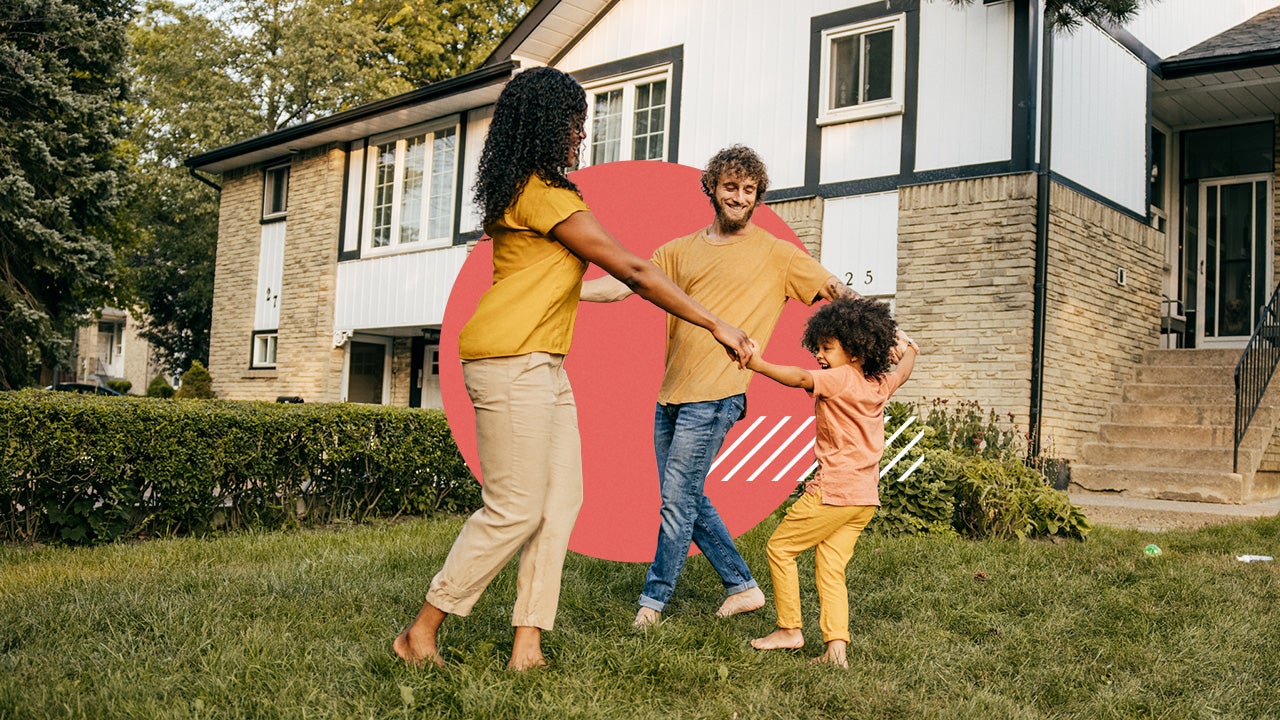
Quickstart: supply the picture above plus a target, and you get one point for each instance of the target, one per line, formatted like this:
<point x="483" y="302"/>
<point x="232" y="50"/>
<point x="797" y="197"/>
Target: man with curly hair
<point x="743" y="274"/>
<point x="855" y="343"/>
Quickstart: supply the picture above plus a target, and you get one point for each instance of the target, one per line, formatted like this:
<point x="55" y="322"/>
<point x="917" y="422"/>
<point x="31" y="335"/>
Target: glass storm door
<point x="1235" y="257"/>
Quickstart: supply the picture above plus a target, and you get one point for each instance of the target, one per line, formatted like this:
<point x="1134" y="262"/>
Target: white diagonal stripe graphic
<point x="785" y="419"/>
<point x="807" y="421"/>
<point x="898" y="432"/>
<point x="808" y="446"/>
<point x="885" y="470"/>
<point x="911" y="469"/>
<point x="736" y="443"/>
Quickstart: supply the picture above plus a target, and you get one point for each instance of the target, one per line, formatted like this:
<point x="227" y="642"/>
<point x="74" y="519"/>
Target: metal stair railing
<point x="1254" y="370"/>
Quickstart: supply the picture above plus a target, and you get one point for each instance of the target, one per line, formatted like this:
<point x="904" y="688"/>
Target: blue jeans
<point x="686" y="439"/>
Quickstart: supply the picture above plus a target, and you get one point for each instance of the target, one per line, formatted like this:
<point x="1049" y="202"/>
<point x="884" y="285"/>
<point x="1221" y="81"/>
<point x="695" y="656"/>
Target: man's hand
<point x="735" y="342"/>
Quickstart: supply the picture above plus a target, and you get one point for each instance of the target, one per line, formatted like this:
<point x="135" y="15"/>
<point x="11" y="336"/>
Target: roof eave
<point x="1172" y="69"/>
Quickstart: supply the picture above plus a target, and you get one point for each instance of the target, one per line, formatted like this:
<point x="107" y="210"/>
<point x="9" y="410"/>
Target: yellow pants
<point x="832" y="530"/>
<point x="531" y="459"/>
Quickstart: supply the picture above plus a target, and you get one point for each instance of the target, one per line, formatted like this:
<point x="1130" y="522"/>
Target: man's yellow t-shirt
<point x="533" y="302"/>
<point x="746" y="282"/>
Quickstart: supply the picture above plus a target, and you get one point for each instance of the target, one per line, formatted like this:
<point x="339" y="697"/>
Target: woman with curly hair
<point x="513" y="351"/>
<point x="855" y="342"/>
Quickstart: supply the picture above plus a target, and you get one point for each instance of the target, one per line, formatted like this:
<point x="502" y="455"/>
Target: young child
<point x="853" y="342"/>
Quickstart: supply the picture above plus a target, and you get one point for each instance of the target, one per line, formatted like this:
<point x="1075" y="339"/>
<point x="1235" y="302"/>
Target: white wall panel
<point x="1100" y="116"/>
<point x="862" y="149"/>
<point x="266" y="314"/>
<point x="400" y="290"/>
<point x="1170" y="26"/>
<point x="965" y="108"/>
<point x="746" y="70"/>
<point x="860" y="242"/>
<point x="477" y="124"/>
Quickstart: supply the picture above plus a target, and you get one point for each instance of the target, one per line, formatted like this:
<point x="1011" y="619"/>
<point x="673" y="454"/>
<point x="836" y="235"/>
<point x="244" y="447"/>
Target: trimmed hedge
<point x="88" y="469"/>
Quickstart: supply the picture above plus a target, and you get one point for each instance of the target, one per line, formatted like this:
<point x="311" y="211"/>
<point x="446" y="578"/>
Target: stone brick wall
<point x="307" y="363"/>
<point x="966" y="254"/>
<point x="805" y="218"/>
<point x="401" y="375"/>
<point x="1095" y="329"/>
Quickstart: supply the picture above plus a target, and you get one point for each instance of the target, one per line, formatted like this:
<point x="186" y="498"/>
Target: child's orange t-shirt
<point x="849" y="414"/>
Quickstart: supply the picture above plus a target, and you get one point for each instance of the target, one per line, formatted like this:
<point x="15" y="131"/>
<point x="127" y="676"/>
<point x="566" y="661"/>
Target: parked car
<point x="84" y="388"/>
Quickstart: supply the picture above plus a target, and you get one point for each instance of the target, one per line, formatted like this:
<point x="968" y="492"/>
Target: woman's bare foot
<point x="745" y="601"/>
<point x="780" y="639"/>
<point x="418" y="641"/>
<point x="834" y="655"/>
<point x="526" y="649"/>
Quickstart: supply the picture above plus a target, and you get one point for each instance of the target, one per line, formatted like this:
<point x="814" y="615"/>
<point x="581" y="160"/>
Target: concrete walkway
<point x="1143" y="514"/>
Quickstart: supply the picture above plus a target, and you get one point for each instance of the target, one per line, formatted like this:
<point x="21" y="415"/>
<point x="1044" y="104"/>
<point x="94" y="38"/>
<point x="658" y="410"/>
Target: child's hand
<point x="754" y="362"/>
<point x="899" y="351"/>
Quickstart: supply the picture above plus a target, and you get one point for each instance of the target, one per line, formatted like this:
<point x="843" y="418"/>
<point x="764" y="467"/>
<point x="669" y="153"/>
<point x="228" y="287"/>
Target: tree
<point x="1066" y="15"/>
<point x="212" y="73"/>
<point x="61" y="89"/>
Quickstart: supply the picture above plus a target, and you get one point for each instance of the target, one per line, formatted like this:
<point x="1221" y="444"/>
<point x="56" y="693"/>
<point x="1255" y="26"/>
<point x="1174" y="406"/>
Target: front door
<point x="1234" y="272"/>
<point x="366" y="372"/>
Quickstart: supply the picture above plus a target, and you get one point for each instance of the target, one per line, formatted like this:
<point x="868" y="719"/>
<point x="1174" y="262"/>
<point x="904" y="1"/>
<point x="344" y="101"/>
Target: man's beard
<point x="728" y="224"/>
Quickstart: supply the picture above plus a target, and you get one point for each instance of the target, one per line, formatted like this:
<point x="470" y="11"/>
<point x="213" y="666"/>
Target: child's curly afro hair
<point x="863" y="327"/>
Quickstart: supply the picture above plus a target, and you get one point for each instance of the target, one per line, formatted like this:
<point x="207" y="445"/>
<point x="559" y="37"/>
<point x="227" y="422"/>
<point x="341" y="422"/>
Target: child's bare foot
<point x="780" y="639"/>
<point x="834" y="655"/>
<point x="745" y="601"/>
<point x="526" y="650"/>
<point x="418" y="641"/>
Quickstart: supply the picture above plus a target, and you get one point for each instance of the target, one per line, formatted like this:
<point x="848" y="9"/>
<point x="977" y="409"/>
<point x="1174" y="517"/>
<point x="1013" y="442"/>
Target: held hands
<point x="736" y="343"/>
<point x="754" y="362"/>
<point x="899" y="350"/>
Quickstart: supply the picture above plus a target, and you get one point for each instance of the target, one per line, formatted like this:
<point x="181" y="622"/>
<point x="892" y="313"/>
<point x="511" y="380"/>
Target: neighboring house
<point x="1040" y="246"/>
<point x="109" y="348"/>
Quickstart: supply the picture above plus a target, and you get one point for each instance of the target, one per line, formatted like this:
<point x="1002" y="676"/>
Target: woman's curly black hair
<point x="739" y="160"/>
<point x="535" y="125"/>
<point x="862" y="326"/>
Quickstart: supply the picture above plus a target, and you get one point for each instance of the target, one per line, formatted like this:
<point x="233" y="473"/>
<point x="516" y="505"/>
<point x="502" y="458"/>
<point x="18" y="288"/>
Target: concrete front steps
<point x="1170" y="438"/>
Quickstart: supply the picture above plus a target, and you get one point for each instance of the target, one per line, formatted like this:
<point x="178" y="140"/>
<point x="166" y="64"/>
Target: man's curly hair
<point x="739" y="160"/>
<point x="534" y="127"/>
<point x="862" y="326"/>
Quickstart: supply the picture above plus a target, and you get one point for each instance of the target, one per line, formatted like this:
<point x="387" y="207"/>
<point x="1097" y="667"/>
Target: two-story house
<point x="1047" y="211"/>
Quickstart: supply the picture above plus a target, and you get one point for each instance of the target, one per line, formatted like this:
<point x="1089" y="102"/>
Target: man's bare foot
<point x="745" y="601"/>
<point x="418" y="641"/>
<point x="647" y="617"/>
<point x="526" y="649"/>
<point x="834" y="655"/>
<point x="780" y="639"/>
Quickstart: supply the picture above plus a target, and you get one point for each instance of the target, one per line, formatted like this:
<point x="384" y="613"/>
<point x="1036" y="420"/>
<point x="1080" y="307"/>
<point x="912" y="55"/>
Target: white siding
<point x="1170" y="26"/>
<point x="860" y="242"/>
<point x="401" y="290"/>
<point x="861" y="149"/>
<point x="477" y="124"/>
<point x="965" y="109"/>
<point x="270" y="275"/>
<point x="746" y="71"/>
<point x="1100" y="116"/>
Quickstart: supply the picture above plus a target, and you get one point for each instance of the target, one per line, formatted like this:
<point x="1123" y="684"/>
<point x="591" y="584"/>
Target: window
<point x="264" y="349"/>
<point x="275" y="192"/>
<point x="410" y="184"/>
<point x="862" y="71"/>
<point x="628" y="118"/>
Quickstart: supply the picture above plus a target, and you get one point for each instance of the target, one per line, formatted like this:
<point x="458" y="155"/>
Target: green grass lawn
<point x="299" y="625"/>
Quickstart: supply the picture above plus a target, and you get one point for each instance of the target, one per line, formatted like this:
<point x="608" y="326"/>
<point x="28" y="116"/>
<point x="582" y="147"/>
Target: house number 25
<point x="848" y="278"/>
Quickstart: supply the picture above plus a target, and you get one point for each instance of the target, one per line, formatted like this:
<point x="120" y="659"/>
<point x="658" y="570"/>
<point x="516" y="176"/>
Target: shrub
<point x="971" y="478"/>
<point x="120" y="386"/>
<point x="159" y="388"/>
<point x="83" y="469"/>
<point x="196" y="382"/>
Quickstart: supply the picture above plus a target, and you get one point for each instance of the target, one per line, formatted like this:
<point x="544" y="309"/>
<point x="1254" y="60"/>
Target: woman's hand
<point x="735" y="342"/>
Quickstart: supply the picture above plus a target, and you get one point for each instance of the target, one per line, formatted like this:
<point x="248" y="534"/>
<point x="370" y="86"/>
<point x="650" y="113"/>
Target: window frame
<point x="628" y="82"/>
<point x="369" y="183"/>
<point x="258" y="362"/>
<point x="893" y="105"/>
<point x="269" y="213"/>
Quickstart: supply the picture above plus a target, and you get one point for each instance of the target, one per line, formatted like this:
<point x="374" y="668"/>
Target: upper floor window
<point x="275" y="192"/>
<point x="628" y="118"/>
<point x="410" y="183"/>
<point x="862" y="71"/>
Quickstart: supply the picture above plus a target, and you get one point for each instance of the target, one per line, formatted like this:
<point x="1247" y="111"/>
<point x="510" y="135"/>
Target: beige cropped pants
<point x="531" y="460"/>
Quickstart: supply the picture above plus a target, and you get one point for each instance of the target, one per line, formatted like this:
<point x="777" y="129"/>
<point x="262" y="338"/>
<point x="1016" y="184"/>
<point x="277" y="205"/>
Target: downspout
<point x="192" y="172"/>
<point x="1042" y="240"/>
